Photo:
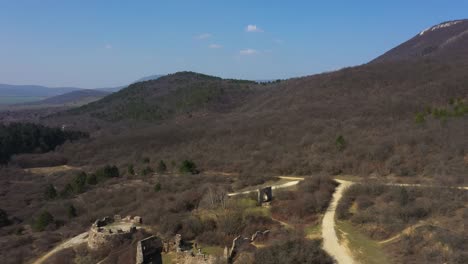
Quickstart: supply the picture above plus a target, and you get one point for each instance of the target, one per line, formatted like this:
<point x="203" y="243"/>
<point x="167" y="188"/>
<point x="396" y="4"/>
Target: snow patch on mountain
<point x="443" y="25"/>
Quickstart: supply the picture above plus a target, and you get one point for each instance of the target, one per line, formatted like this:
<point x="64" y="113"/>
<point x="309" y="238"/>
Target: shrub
<point x="131" y="169"/>
<point x="44" y="219"/>
<point x="147" y="170"/>
<point x="91" y="179"/>
<point x="4" y="221"/>
<point x="188" y="166"/>
<point x="157" y="187"/>
<point x="420" y="118"/>
<point x="50" y="192"/>
<point x="79" y="182"/>
<point x="107" y="172"/>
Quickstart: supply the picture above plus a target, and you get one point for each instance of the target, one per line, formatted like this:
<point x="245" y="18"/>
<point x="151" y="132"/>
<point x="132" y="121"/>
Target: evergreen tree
<point x="50" y="192"/>
<point x="4" y="221"/>
<point x="131" y="169"/>
<point x="340" y="143"/>
<point x="79" y="183"/>
<point x="71" y="211"/>
<point x="44" y="219"/>
<point x="91" y="179"/>
<point x="188" y="166"/>
<point x="161" y="167"/>
<point x="157" y="187"/>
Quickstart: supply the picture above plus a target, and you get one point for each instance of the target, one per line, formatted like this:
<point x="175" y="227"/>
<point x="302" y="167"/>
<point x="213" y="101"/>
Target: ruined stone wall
<point x="98" y="237"/>
<point x="149" y="251"/>
<point x="103" y="234"/>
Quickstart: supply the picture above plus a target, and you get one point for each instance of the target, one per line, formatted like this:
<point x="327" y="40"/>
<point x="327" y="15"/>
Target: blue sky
<point x="107" y="43"/>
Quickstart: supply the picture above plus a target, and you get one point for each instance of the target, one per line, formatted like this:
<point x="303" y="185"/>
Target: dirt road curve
<point x="75" y="241"/>
<point x="330" y="240"/>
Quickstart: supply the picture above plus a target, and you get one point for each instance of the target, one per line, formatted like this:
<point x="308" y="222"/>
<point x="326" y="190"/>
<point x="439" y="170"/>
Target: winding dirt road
<point x="75" y="241"/>
<point x="330" y="240"/>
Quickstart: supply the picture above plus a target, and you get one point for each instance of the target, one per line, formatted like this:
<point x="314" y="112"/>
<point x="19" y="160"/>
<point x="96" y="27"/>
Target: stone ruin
<point x="111" y="231"/>
<point x="265" y="195"/>
<point x="149" y="251"/>
<point x="239" y="242"/>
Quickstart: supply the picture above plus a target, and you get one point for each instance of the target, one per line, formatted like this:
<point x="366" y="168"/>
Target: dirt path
<point x="294" y="181"/>
<point x="75" y="241"/>
<point x="330" y="240"/>
<point x="83" y="238"/>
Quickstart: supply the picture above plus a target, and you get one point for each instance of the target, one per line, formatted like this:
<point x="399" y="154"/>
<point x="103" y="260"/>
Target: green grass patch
<point x="167" y="258"/>
<point x="365" y="250"/>
<point x="260" y="211"/>
<point x="213" y="251"/>
<point x="313" y="231"/>
<point x="245" y="203"/>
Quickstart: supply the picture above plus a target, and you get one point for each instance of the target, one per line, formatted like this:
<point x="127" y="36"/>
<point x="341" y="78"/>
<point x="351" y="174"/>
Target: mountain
<point x="447" y="42"/>
<point x="33" y="90"/>
<point x="78" y="97"/>
<point x="402" y="117"/>
<point x="118" y="88"/>
<point x="179" y="93"/>
<point x="11" y="90"/>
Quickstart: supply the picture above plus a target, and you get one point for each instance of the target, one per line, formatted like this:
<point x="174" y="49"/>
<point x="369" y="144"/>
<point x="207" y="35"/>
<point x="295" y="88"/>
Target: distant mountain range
<point x="78" y="97"/>
<point x="12" y="90"/>
<point x="32" y="93"/>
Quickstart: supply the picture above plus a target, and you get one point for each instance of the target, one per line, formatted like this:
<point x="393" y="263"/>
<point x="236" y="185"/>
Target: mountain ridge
<point x="445" y="42"/>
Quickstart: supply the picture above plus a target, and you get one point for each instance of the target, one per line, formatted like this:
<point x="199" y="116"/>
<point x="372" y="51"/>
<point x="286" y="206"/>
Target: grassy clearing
<point x="50" y="170"/>
<point x="168" y="258"/>
<point x="212" y="250"/>
<point x="366" y="250"/>
<point x="313" y="231"/>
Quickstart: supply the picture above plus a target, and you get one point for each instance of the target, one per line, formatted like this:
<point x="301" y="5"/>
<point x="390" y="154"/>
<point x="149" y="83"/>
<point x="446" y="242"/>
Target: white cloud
<point x="248" y="52"/>
<point x="108" y="46"/>
<point x="253" y="28"/>
<point x="204" y="36"/>
<point x="215" y="46"/>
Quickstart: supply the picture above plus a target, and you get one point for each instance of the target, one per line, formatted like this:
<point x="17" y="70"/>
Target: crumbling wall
<point x="103" y="234"/>
<point x="149" y="251"/>
<point x="239" y="241"/>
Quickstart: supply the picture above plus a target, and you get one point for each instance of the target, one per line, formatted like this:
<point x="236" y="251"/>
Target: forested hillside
<point x="18" y="138"/>
<point x="180" y="93"/>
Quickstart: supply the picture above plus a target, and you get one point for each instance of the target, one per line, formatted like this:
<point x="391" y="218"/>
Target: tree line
<point x="16" y="138"/>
